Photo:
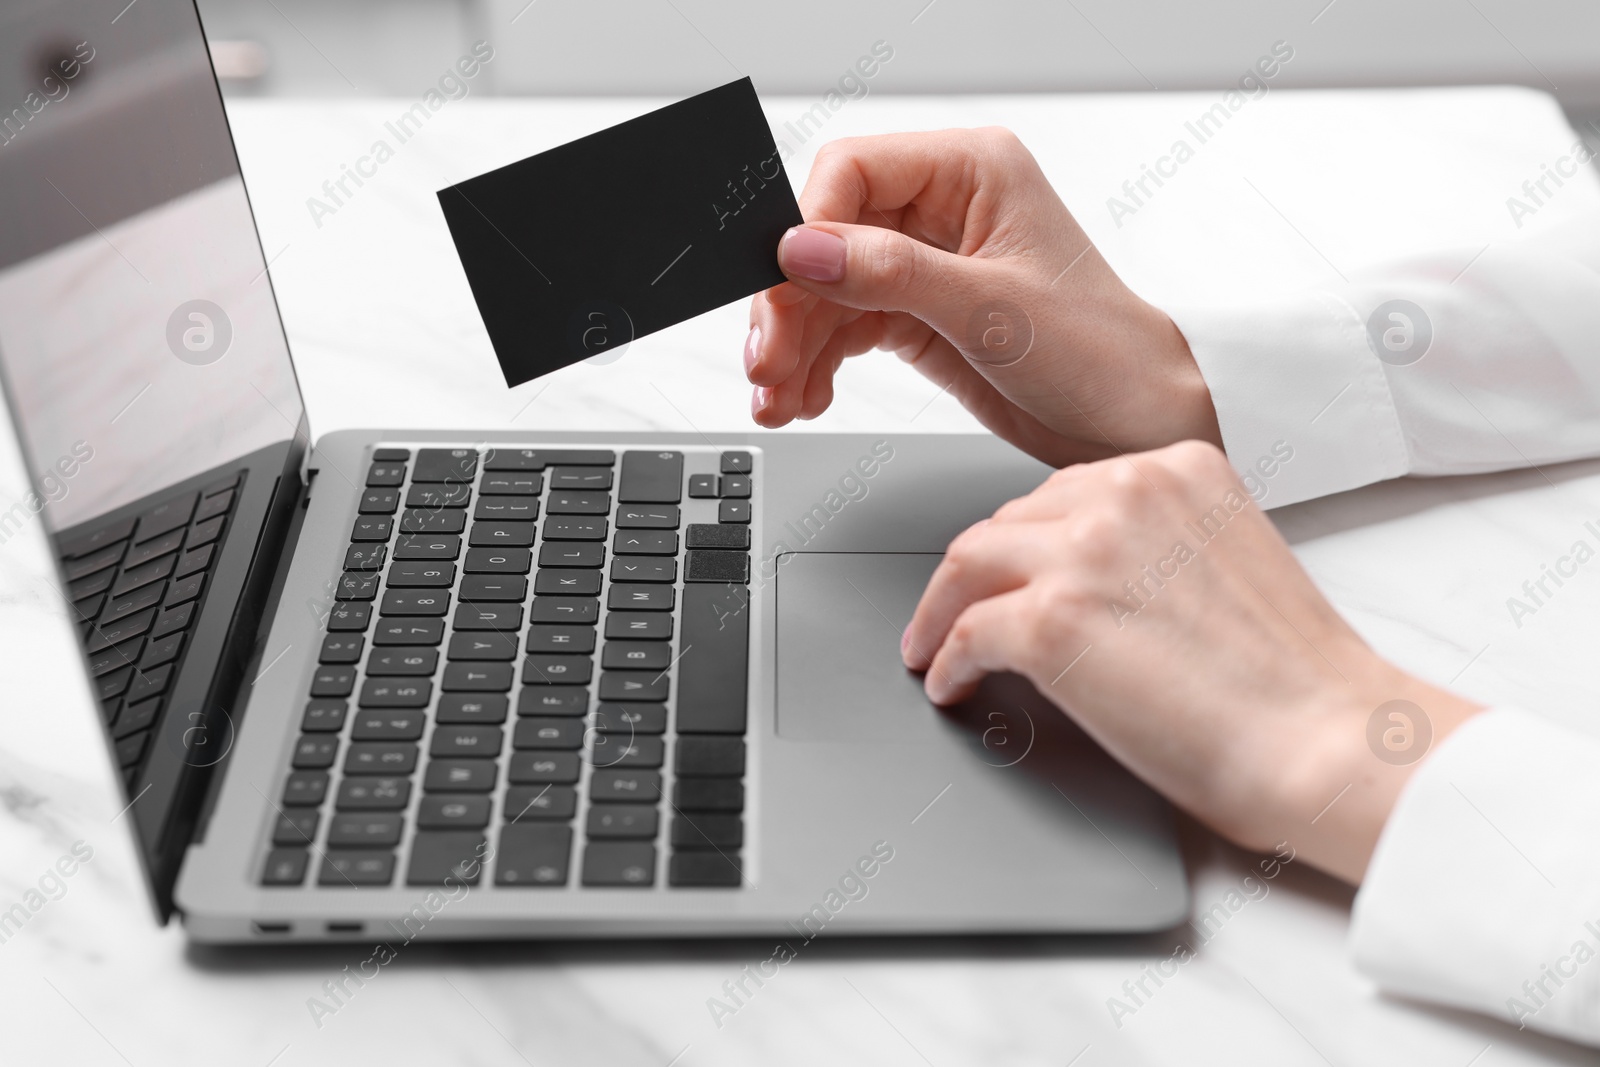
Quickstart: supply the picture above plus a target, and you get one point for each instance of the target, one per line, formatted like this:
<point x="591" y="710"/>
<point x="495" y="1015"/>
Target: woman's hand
<point x="952" y="250"/>
<point x="1152" y="600"/>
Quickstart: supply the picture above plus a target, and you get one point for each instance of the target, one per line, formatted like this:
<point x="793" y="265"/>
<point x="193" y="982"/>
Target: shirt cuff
<point x="1484" y="889"/>
<point x="1302" y="402"/>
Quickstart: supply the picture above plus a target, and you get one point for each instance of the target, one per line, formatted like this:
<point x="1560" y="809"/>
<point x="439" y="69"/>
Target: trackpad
<point x="840" y="617"/>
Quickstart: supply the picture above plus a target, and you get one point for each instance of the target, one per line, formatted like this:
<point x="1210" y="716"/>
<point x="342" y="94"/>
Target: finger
<point x="862" y="335"/>
<point x="985" y="561"/>
<point x="804" y="335"/>
<point x="989" y="636"/>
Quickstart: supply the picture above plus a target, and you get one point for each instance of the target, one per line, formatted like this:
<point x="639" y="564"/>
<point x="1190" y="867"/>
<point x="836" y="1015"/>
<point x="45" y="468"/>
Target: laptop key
<point x="84" y="566"/>
<point x="190" y="562"/>
<point x="162" y="651"/>
<point x="395" y="693"/>
<point x="184" y="589"/>
<point x="501" y="534"/>
<point x="433" y="521"/>
<point x="95" y="583"/>
<point x="446" y="465"/>
<point x="508" y="483"/>
<point x="619" y="863"/>
<point x="651" y="478"/>
<point x="712" y="870"/>
<point x="117" y="632"/>
<point x="541" y="668"/>
<point x="373" y="794"/>
<point x="580" y="478"/>
<point x="736" y="463"/>
<point x="553" y="700"/>
<point x="214" y="505"/>
<point x="388" y="725"/>
<point x="365" y="557"/>
<point x="733" y="511"/>
<point x="707" y="830"/>
<point x="647" y="517"/>
<point x="296" y="827"/>
<point x="472" y="709"/>
<point x="715" y="565"/>
<point x="713" y="683"/>
<point x="165" y="517"/>
<point x="415" y="602"/>
<point x="578" y="502"/>
<point x="404" y="631"/>
<point x="356" y="868"/>
<point x="135" y="716"/>
<point x="376" y="829"/>
<point x="446" y="857"/>
<point x="637" y="685"/>
<point x="624" y="752"/>
<point x="736" y="487"/>
<point x="489" y="616"/>
<point x="708" y="794"/>
<point x="481" y="588"/>
<point x="460" y="776"/>
<point x="305" y="788"/>
<point x="427" y="546"/>
<point x="717" y="535"/>
<point x="540" y="802"/>
<point x="483" y="645"/>
<point x="113" y="683"/>
<point x="324" y="716"/>
<point x="498" y="561"/>
<point x="623" y="821"/>
<point x="129" y="749"/>
<point x="644" y="570"/>
<point x="392" y="455"/>
<point x="548" y="733"/>
<point x="571" y="609"/>
<point x="533" y="854"/>
<point x="356" y="585"/>
<point x="574" y="639"/>
<point x="636" y="655"/>
<point x="402" y="660"/>
<point x="341" y="648"/>
<point x="172" y="619"/>
<point x="573" y="528"/>
<point x="566" y="582"/>
<point x="507" y="508"/>
<point x="350" y="616"/>
<point x="441" y="811"/>
<point x="572" y="554"/>
<point x="372" y="528"/>
<point x="421" y="574"/>
<point x="110" y="659"/>
<point x="285" y="866"/>
<point x="703" y="486"/>
<point x="542" y="768"/>
<point x="132" y="579"/>
<point x="478" y="678"/>
<point x="160" y="546"/>
<point x="335" y="680"/>
<point x="537" y="459"/>
<point x="203" y="533"/>
<point x="380" y="757"/>
<point x="640" y="625"/>
<point x="379" y="502"/>
<point x="709" y="757"/>
<point x="315" y="752"/>
<point x="386" y="475"/>
<point x="645" y="543"/>
<point x="97" y="540"/>
<point x="482" y="742"/>
<point x="642" y="597"/>
<point x="147" y="684"/>
<point x="449" y="495"/>
<point x="625" y="786"/>
<point x="629" y="719"/>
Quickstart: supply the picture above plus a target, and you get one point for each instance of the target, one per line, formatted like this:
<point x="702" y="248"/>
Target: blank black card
<point x="574" y="252"/>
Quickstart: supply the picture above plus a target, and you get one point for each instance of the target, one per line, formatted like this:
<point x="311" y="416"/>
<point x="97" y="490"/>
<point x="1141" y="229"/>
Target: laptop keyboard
<point x="493" y="689"/>
<point x="136" y="585"/>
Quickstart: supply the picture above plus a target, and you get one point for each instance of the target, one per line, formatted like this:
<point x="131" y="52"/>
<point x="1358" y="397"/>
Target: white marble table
<point x="376" y="309"/>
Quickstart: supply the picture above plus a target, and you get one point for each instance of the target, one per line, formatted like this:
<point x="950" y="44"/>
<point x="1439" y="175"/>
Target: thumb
<point x="878" y="269"/>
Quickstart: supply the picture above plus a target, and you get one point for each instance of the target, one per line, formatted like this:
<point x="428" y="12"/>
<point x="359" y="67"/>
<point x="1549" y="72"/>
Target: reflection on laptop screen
<point x="139" y="337"/>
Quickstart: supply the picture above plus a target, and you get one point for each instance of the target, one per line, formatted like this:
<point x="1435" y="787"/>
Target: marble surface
<point x="377" y="311"/>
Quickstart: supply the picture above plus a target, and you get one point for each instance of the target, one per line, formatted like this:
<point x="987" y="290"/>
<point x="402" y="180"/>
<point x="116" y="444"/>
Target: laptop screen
<point x="139" y="337"/>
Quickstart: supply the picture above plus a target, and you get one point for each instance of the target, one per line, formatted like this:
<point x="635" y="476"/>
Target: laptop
<point x="489" y="684"/>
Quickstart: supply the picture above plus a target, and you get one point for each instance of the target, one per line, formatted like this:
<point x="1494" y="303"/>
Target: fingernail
<point x="759" y="398"/>
<point x="752" y="350"/>
<point x="812" y="254"/>
<point x="905" y="642"/>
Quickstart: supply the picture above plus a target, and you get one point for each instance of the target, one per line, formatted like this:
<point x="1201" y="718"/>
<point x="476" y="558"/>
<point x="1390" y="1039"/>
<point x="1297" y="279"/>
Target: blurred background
<point x="397" y="47"/>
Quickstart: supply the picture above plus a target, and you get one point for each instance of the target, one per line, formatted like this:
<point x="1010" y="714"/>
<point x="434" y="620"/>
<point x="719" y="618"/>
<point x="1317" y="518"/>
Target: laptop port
<point x="346" y="928"/>
<point x="259" y="927"/>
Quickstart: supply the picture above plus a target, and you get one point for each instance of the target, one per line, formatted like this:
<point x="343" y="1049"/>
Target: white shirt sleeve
<point x="1484" y="890"/>
<point x="1462" y="362"/>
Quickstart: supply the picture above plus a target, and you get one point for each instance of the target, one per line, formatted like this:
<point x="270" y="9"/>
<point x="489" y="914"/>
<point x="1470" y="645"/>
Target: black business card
<point x="576" y="251"/>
